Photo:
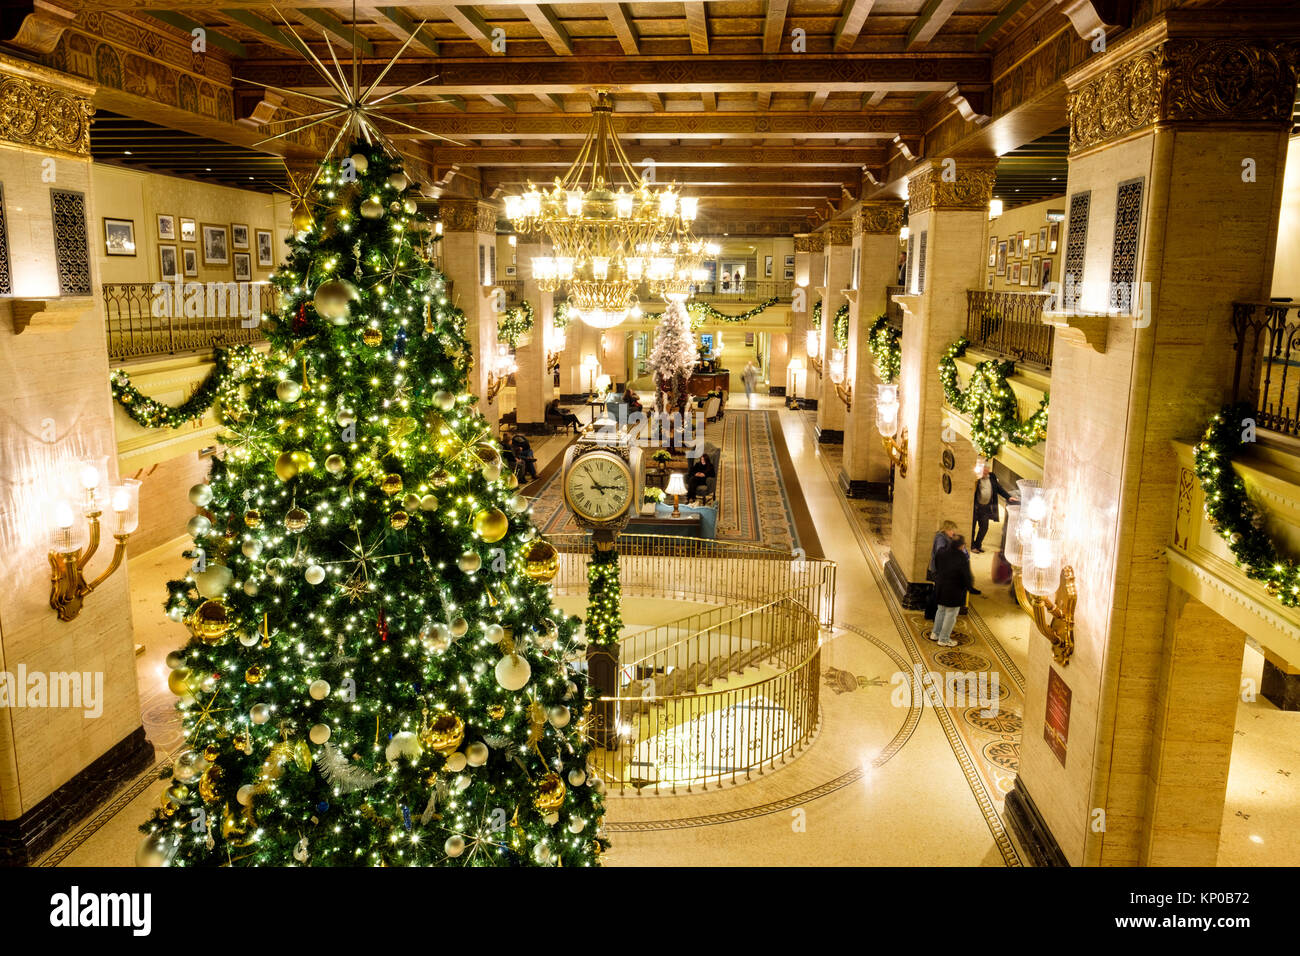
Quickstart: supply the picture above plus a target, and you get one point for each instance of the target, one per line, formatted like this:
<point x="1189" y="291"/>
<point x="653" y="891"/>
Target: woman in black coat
<point x="700" y="473"/>
<point x="952" y="580"/>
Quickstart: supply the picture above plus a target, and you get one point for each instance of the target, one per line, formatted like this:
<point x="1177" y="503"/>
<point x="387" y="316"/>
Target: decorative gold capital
<point x="467" y="215"/>
<point x="952" y="184"/>
<point x="878" y="219"/>
<point x="839" y="233"/>
<point x="42" y="109"/>
<point x="808" y="242"/>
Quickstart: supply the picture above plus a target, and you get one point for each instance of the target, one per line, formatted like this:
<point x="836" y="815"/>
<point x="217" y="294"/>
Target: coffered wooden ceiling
<point x="771" y="111"/>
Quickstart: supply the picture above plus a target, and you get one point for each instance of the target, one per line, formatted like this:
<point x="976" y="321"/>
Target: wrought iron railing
<point x="717" y="694"/>
<point x="146" y="318"/>
<point x="1010" y="323"/>
<point x="751" y="290"/>
<point x="1267" y="369"/>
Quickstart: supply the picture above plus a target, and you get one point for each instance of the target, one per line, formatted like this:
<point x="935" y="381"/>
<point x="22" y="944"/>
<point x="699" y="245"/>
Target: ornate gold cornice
<point x="467" y="215"/>
<point x="43" y="109"/>
<point x="965" y="184"/>
<point x="878" y="218"/>
<point x="839" y="233"/>
<point x="1204" y="80"/>
<point x="809" y="242"/>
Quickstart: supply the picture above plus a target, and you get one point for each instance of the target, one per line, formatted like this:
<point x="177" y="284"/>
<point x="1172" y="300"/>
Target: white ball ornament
<point x="398" y="180"/>
<point x="518" y="504"/>
<point x="477" y="753"/>
<point x="444" y="400"/>
<point x="201" y="495"/>
<point x="551" y="819"/>
<point x="492" y="470"/>
<point x="454" y="846"/>
<point x="155" y="850"/>
<point x="494" y="633"/>
<point x="259" y="713"/>
<point x="176" y="613"/>
<point x="319" y="689"/>
<point x="345" y="417"/>
<point x="577" y="826"/>
<point x="428" y="503"/>
<point x="469" y="562"/>
<point x="436" y="636"/>
<point x="319" y="733"/>
<point x="462" y="782"/>
<point x="314" y="574"/>
<point x="215" y="581"/>
<point x="410" y="207"/>
<point x="570" y="688"/>
<point x="513" y="672"/>
<point x="459" y="627"/>
<point x="456" y="763"/>
<point x="288" y="390"/>
<point x="359" y="163"/>
<point x="252" y="547"/>
<point x="411" y="503"/>
<point x="558" y="715"/>
<point x="542" y="854"/>
<point x="577" y="777"/>
<point x="249" y="639"/>
<point x="245" y="795"/>
<point x="251" y="588"/>
<point x="403" y="744"/>
<point x="198" y="526"/>
<point x="188" y="766"/>
<point x="372" y="209"/>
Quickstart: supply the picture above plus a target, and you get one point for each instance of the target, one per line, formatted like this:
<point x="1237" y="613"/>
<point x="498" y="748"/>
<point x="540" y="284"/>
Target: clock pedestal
<point x="602" y="661"/>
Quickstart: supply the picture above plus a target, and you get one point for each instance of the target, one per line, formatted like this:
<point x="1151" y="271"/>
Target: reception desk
<point x="701" y="383"/>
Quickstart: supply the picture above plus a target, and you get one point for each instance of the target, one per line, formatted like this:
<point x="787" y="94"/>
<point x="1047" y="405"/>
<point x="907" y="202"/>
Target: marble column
<point x="533" y="380"/>
<point x="807" y="258"/>
<point x="58" y="760"/>
<point x="838" y="270"/>
<point x="947" y="211"/>
<point x="1178" y="138"/>
<point x="468" y="257"/>
<point x="865" y="471"/>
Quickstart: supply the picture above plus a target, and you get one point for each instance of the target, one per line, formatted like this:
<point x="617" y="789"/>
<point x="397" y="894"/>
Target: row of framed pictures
<point x="1023" y="246"/>
<point x="1036" y="273"/>
<point x="219" y="246"/>
<point x="789" y="267"/>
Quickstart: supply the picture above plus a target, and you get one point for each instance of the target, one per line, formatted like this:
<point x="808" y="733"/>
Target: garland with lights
<point x="515" y="323"/>
<point x="374" y="670"/>
<point x="1233" y="515"/>
<point x="604" y="599"/>
<point x="840" y="326"/>
<point x="990" y="404"/>
<point x="817" y="315"/>
<point x="703" y="311"/>
<point x="885" y="343"/>
<point x="221" y="387"/>
<point x="563" y="314"/>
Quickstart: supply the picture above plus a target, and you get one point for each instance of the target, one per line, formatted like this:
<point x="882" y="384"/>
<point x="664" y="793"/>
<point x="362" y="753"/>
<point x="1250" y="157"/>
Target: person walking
<point x="942" y="539"/>
<point x="750" y="378"/>
<point x="952" y="582"/>
<point x="987" y="492"/>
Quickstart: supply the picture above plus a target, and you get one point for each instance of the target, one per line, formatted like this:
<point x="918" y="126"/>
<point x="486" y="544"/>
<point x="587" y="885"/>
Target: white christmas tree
<point x="673" y="358"/>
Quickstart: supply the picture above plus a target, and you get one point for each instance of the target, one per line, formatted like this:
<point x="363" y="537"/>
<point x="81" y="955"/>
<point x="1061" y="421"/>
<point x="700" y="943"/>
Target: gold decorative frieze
<point x="43" y="110"/>
<point x="809" y="242"/>
<point x="839" y="233"/>
<point x="878" y="218"/>
<point x="467" y="215"/>
<point x="1186" y="79"/>
<point x="965" y="184"/>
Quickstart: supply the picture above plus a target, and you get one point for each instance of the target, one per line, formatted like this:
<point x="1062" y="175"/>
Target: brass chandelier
<point x="611" y="230"/>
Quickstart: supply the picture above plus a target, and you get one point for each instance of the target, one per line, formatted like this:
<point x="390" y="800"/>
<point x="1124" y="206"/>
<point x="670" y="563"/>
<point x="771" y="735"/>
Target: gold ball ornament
<point x="335" y="464"/>
<point x="445" y="734"/>
<point x="542" y="562"/>
<point x="496" y="711"/>
<point x="255" y="674"/>
<point x="287" y="465"/>
<point x="391" y="484"/>
<point x="253" y="518"/>
<point x="333" y="298"/>
<point x="211" y="752"/>
<point x="296" y="520"/>
<point x="397" y="180"/>
<point x="398" y="520"/>
<point x="211" y="622"/>
<point x="360" y="163"/>
<point x="178" y="681"/>
<point x="372" y="337"/>
<point x="550" y="793"/>
<point x="491" y="524"/>
<point x="303" y="221"/>
<point x="208" y="783"/>
<point x="372" y="209"/>
<point x="510" y="481"/>
<point x="469" y="561"/>
<point x="440" y="479"/>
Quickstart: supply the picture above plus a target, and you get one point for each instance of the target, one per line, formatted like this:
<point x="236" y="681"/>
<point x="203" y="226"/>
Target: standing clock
<point x="598" y="488"/>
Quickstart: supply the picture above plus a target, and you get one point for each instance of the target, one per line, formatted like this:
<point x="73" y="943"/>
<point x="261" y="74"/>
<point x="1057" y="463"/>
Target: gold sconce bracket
<point x="68" y="585"/>
<point x="896" y="448"/>
<point x="1054" y="619"/>
<point x="845" y="393"/>
<point x="816" y="363"/>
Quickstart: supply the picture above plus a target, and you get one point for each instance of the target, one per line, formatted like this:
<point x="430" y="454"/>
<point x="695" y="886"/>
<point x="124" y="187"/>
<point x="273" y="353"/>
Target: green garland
<point x="886" y="348"/>
<point x="563" y="314"/>
<point x="817" y="315"/>
<point x="230" y="366"/>
<point x="515" y="323"/>
<point x="1230" y="511"/>
<point x="990" y="404"/>
<point x="700" y="311"/>
<point x="840" y="326"/>
<point x="604" y="598"/>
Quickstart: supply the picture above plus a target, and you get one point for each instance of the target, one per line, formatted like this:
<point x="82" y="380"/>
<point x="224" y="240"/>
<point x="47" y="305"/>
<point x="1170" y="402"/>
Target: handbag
<point x="1001" y="569"/>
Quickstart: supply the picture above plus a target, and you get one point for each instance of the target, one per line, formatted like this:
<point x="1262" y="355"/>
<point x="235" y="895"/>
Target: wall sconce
<point x="903" y="234"/>
<point x="73" y="543"/>
<point x="558" y="342"/>
<point x="1045" y="588"/>
<point x="842" y="388"/>
<point x="590" y="365"/>
<point x="995" y="208"/>
<point x="887" y="414"/>
<point x="500" y="373"/>
<point x="676" y="488"/>
<point x="813" y="343"/>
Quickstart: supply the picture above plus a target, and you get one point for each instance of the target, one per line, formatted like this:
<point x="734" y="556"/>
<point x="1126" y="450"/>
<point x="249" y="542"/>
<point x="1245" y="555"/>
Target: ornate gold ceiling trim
<point x="43" y="109"/>
<point x="467" y="215"/>
<point x="965" y="184"/>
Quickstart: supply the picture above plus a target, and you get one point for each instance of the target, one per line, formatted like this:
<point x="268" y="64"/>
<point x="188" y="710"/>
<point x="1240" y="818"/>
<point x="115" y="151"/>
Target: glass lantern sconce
<point x="813" y="342"/>
<point x="887" y="415"/>
<point x="558" y="342"/>
<point x="501" y="371"/>
<point x="73" y="542"/>
<point x="1045" y="588"/>
<point x="843" y="387"/>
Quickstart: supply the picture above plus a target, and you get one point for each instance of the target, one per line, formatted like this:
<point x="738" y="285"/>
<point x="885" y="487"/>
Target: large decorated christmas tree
<point x="376" y="674"/>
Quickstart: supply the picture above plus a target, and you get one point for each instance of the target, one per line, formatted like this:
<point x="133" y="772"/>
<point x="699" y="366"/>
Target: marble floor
<point x="886" y="780"/>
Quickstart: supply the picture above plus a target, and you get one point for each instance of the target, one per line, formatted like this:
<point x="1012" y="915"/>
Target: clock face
<point x="598" y="486"/>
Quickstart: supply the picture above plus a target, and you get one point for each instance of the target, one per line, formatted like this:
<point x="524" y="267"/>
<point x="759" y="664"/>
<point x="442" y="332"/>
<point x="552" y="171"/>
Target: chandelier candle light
<point x="610" y="228"/>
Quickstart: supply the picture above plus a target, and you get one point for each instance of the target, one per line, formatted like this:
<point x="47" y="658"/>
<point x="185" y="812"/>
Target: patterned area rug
<point x="756" y="503"/>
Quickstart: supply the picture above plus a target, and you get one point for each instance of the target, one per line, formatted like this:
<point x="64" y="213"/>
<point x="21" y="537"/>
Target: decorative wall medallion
<point x="946" y="481"/>
<point x="879" y="218"/>
<point x="1123" y="256"/>
<point x="920" y="265"/>
<point x="6" y="275"/>
<point x="71" y="252"/>
<point x="949" y="459"/>
<point x="1076" y="243"/>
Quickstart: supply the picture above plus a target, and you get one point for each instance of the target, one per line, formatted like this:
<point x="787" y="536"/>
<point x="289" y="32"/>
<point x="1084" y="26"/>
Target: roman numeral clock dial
<point x="598" y="487"/>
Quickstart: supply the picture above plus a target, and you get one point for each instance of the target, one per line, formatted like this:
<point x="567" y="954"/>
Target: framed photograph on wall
<point x="1033" y="242"/>
<point x="187" y="230"/>
<point x="1025" y="273"/>
<point x="167" y="261"/>
<point x="993" y="251"/>
<point x="216" y="246"/>
<point x="1015" y="273"/>
<point x="243" y="266"/>
<point x="119" y="237"/>
<point x="767" y="267"/>
<point x="166" y="227"/>
<point x="789" y="262"/>
<point x="1034" y="266"/>
<point x="789" y="274"/>
<point x="1042" y="239"/>
<point x="1045" y="276"/>
<point x="1053" y="236"/>
<point x="265" y="257"/>
<point x="190" y="260"/>
<point x="238" y="235"/>
<point x="1001" y="268"/>
<point x="988" y="281"/>
<point x="1018" y="243"/>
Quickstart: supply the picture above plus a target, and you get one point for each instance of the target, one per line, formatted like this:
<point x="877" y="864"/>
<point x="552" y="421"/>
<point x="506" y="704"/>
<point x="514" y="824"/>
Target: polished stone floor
<point x="883" y="782"/>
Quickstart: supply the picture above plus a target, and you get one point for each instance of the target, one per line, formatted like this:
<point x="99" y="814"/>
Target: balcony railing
<point x="142" y="320"/>
<point x="1011" y="324"/>
<point x="750" y="291"/>
<point x="1267" y="370"/>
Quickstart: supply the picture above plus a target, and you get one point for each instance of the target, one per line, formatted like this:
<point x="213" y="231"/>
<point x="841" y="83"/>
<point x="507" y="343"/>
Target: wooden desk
<point x="701" y="383"/>
<point x="687" y="525"/>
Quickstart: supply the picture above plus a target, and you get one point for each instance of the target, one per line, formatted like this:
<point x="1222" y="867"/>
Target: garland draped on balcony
<point x="515" y="323"/>
<point x="1230" y="511"/>
<point x="990" y="404"/>
<point x="886" y="349"/>
<point x="221" y="386"/>
<point x="700" y="311"/>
